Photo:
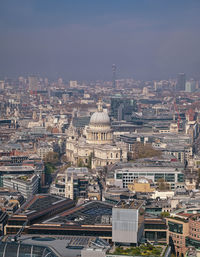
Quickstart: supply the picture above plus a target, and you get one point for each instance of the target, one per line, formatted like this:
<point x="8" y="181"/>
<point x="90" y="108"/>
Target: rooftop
<point x="16" y="168"/>
<point x="91" y="213"/>
<point x="127" y="204"/>
<point x="41" y="204"/>
<point x="52" y="246"/>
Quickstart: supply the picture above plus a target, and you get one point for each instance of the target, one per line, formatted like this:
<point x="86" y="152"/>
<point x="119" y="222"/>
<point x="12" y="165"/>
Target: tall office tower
<point x="122" y="108"/>
<point x="114" y="75"/>
<point x="180" y="86"/>
<point x="33" y="83"/>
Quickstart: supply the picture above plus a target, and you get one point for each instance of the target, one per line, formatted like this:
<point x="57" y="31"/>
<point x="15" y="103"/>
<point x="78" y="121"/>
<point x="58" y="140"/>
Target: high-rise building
<point x="33" y="83"/>
<point x="122" y="107"/>
<point x="180" y="86"/>
<point x="190" y="86"/>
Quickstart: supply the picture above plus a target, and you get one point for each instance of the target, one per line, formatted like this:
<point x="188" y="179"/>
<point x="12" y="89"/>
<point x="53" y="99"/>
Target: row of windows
<point x="194" y="229"/>
<point x="175" y="227"/>
<point x="194" y="235"/>
<point x="177" y="236"/>
<point x="192" y="242"/>
<point x="157" y="176"/>
<point x="178" y="242"/>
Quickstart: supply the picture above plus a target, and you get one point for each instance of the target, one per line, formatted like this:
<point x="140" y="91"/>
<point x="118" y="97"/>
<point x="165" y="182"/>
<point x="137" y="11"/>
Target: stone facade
<point x="95" y="147"/>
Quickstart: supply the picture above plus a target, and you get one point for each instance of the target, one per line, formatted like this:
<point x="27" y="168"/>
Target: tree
<point x="80" y="163"/>
<point x="162" y="185"/>
<point x="49" y="128"/>
<point x="142" y="151"/>
<point x="52" y="157"/>
<point x="90" y="161"/>
<point x="49" y="169"/>
<point x="165" y="214"/>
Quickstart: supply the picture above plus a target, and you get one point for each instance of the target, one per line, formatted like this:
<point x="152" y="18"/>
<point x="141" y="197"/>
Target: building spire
<point x="99" y="104"/>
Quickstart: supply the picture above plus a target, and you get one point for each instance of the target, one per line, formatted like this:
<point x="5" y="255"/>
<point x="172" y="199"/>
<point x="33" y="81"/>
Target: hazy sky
<point x="81" y="39"/>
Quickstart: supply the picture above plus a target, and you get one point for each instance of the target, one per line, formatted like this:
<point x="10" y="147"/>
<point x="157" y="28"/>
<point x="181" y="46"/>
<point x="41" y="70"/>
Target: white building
<point x="171" y="175"/>
<point x="97" y="148"/>
<point x="27" y="185"/>
<point x="127" y="222"/>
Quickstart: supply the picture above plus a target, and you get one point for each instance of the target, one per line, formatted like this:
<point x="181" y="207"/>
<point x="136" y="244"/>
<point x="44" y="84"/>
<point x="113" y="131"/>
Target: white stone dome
<point x="100" y="119"/>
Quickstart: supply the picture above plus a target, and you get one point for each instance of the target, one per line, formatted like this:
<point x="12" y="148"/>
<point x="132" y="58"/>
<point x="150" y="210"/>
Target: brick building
<point x="183" y="232"/>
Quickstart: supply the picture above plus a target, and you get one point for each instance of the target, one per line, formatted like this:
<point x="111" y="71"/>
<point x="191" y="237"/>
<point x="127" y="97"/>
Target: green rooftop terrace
<point x="142" y="250"/>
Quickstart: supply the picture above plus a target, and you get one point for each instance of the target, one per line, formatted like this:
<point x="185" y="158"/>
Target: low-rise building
<point x="169" y="173"/>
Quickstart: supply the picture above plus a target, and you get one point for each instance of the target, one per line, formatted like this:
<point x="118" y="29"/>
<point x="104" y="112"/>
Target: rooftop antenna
<point x="114" y="68"/>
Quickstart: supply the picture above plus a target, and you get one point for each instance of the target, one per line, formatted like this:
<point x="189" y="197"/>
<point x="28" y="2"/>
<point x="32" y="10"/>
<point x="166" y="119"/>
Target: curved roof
<point x="100" y="118"/>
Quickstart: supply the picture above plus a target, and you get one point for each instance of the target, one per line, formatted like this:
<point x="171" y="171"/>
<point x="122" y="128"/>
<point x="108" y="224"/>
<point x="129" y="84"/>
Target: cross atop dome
<point x="100" y="105"/>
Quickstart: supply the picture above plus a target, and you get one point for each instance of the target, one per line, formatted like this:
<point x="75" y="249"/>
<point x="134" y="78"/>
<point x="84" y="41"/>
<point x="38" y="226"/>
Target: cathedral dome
<point x="100" y="118"/>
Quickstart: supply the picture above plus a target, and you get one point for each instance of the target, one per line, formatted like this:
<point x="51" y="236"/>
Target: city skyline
<point x="79" y="40"/>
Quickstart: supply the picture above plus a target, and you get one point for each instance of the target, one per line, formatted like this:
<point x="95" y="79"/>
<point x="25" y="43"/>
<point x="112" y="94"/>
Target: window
<point x="175" y="227"/>
<point x="119" y="176"/>
<point x="192" y="242"/>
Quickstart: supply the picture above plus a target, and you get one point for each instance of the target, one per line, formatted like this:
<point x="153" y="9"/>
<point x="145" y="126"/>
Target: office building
<point x="127" y="222"/>
<point x="180" y="86"/>
<point x="184" y="230"/>
<point x="122" y="108"/>
<point x="7" y="171"/>
<point x="76" y="182"/>
<point x="172" y="175"/>
<point x="190" y="86"/>
<point x="27" y="185"/>
<point x="33" y="83"/>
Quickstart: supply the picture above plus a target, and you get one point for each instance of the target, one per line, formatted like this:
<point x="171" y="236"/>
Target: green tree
<point x="52" y="157"/>
<point x="165" y="214"/>
<point x="80" y="163"/>
<point x="162" y="185"/>
<point x="142" y="151"/>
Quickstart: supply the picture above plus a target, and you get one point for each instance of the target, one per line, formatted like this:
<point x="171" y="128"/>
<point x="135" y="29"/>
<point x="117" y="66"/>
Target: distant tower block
<point x="73" y="83"/>
<point x="33" y="83"/>
<point x="114" y="68"/>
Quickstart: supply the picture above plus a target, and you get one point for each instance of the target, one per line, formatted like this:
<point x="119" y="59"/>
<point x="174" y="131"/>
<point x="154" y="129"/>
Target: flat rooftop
<point x="16" y="168"/>
<point x="129" y="204"/>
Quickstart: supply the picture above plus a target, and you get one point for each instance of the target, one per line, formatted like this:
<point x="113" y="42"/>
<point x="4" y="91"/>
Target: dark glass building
<point x="181" y="80"/>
